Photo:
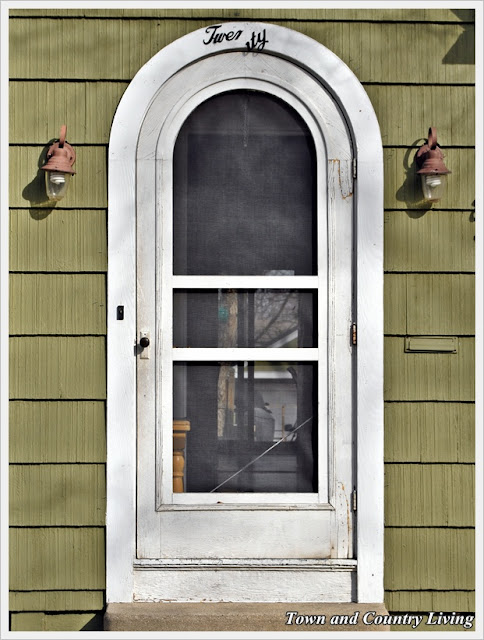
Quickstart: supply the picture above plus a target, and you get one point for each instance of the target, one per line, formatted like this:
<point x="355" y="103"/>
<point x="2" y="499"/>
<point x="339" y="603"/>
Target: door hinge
<point x="354" y="499"/>
<point x="353" y="334"/>
<point x="354" y="168"/>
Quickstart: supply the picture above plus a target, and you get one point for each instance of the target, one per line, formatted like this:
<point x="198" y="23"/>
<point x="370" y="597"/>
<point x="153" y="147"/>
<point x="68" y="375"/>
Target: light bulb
<point x="56" y="183"/>
<point x="433" y="185"/>
<point x="433" y="181"/>
<point x="57" y="177"/>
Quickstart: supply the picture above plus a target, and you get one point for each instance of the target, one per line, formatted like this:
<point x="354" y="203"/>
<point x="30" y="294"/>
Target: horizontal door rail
<point x="248" y="354"/>
<point x="244" y="282"/>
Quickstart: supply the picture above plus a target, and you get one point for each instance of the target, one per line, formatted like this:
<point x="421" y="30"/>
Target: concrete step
<point x="242" y="616"/>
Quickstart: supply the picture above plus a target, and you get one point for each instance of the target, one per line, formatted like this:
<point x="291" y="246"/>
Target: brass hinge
<point x="353" y="334"/>
<point x="354" y="499"/>
<point x="354" y="168"/>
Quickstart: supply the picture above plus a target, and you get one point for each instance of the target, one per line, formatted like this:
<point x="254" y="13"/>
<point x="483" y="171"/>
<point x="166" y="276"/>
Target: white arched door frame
<point x="354" y="104"/>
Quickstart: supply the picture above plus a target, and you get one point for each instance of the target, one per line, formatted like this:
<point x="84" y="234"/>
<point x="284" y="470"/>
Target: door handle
<point x="144" y="343"/>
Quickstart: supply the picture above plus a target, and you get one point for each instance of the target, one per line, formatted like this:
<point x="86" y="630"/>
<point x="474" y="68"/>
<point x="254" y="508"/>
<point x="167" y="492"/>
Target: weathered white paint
<point x="247" y="282"/>
<point x="240" y="563"/>
<point x="331" y="72"/>
<point x="158" y="533"/>
<point x="200" y="354"/>
<point x="251" y="501"/>
<point x="245" y="585"/>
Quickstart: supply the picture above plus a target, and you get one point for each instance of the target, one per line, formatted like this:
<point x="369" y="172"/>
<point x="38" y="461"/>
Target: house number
<point x="257" y="40"/>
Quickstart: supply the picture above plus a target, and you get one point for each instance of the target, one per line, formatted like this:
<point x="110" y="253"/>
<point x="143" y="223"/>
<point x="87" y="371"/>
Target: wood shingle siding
<point x="429" y="495"/>
<point x="430" y="303"/>
<point x="57" y="495"/>
<point x="52" y="558"/>
<point x="429" y="432"/>
<point x="73" y="304"/>
<point x="440" y="241"/>
<point x="73" y="240"/>
<point x="127" y="44"/>
<point x="56" y="600"/>
<point x="401" y="113"/>
<point x="430" y="600"/>
<point x="91" y="106"/>
<point x="56" y="622"/>
<point x="340" y="15"/>
<point x="429" y="376"/>
<point x="51" y="431"/>
<point x="58" y="261"/>
<point x="58" y="367"/>
<point x="422" y="558"/>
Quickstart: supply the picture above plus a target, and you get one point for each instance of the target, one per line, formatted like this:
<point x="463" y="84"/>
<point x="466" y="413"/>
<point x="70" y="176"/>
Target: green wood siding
<point x="58" y="367"/>
<point x="429" y="432"/>
<point x="58" y="241"/>
<point x="50" y="558"/>
<point x="340" y="15"/>
<point x="421" y="558"/>
<point x="90" y="105"/>
<point x="57" y="495"/>
<point x="429" y="376"/>
<point x="417" y="67"/>
<point x="430" y="601"/>
<point x="36" y="300"/>
<point x="56" y="600"/>
<point x="434" y="241"/>
<point x="431" y="495"/>
<point x="59" y="622"/>
<point x="401" y="113"/>
<point x="67" y="431"/>
<point x="127" y="44"/>
<point x="426" y="304"/>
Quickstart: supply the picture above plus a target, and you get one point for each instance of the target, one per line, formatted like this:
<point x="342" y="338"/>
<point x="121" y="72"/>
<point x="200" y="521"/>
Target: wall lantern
<point x="431" y="167"/>
<point x="58" y="168"/>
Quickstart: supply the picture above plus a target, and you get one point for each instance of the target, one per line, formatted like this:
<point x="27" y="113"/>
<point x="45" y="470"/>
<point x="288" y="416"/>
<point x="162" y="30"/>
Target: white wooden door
<point x="231" y="541"/>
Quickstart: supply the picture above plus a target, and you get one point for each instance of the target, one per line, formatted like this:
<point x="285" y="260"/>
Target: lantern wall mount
<point x="58" y="168"/>
<point x="431" y="168"/>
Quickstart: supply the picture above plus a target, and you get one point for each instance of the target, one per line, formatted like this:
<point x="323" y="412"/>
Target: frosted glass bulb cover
<point x="56" y="183"/>
<point x="433" y="186"/>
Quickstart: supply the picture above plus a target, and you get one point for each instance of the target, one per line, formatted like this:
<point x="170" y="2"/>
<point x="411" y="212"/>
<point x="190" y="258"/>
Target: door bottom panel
<point x="256" y="584"/>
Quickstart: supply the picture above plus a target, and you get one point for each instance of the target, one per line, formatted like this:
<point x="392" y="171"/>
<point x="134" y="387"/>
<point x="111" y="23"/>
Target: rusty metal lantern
<point x="58" y="168"/>
<point x="430" y="161"/>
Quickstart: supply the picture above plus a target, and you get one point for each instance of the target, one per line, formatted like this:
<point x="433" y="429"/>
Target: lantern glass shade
<point x="433" y="186"/>
<point x="56" y="183"/>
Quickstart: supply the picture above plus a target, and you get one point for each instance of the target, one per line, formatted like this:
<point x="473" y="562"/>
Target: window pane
<point x="237" y="413"/>
<point x="266" y="318"/>
<point x="244" y="189"/>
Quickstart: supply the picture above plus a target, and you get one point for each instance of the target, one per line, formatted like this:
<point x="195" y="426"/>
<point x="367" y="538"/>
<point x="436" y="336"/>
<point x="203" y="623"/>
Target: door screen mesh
<point x="245" y="204"/>
<point x="244" y="189"/>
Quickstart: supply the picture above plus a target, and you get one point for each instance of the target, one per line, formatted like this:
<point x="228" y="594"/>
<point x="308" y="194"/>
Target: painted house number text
<point x="257" y="41"/>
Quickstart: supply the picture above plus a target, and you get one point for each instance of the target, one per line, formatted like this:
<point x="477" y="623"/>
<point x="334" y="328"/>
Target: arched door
<point x="245" y="290"/>
<point x="246" y="301"/>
